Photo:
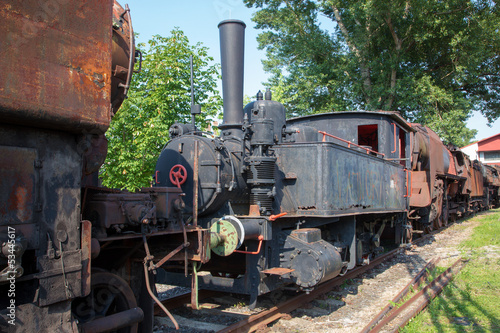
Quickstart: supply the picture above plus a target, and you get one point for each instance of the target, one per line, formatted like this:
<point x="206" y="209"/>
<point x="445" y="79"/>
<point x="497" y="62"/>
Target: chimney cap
<point x="232" y="21"/>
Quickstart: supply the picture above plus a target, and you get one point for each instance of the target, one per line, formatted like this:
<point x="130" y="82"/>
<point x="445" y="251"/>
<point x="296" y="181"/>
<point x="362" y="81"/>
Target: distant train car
<point x="445" y="183"/>
<point x="492" y="184"/>
<point x="430" y="177"/>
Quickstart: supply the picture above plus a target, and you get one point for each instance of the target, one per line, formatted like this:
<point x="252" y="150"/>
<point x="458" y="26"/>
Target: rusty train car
<point x="271" y="202"/>
<point x="446" y="184"/>
<point x="66" y="73"/>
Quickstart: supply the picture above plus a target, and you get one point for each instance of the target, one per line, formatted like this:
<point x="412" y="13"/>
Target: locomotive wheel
<point x="109" y="294"/>
<point x="408" y="235"/>
<point x="438" y="223"/>
<point x="453" y="217"/>
<point x="445" y="215"/>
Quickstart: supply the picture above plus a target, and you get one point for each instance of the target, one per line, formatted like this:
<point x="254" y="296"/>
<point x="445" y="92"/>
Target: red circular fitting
<point x="178" y="175"/>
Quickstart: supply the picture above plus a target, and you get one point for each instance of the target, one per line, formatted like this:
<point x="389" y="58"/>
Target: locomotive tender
<point x="271" y="202"/>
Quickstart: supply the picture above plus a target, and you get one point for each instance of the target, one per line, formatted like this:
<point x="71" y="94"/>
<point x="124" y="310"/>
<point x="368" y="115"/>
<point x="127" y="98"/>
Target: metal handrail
<point x="368" y="150"/>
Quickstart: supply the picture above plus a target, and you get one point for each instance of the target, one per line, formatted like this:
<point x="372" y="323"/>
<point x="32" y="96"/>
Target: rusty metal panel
<point x="57" y="71"/>
<point x="40" y="177"/>
<point x="420" y="195"/>
<point x="477" y="182"/>
<point x="86" y="256"/>
<point x="17" y="184"/>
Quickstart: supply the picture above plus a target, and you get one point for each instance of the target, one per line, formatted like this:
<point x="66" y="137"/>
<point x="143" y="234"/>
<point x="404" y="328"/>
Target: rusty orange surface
<point x="17" y="184"/>
<point x="420" y="195"/>
<point x="56" y="63"/>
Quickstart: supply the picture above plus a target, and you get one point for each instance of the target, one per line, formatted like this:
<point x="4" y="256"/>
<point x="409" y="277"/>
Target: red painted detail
<point x="274" y="217"/>
<point x="395" y="147"/>
<point x="178" y="175"/>
<point x="261" y="238"/>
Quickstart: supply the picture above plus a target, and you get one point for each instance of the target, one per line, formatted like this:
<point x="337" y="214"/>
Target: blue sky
<point x="199" y="18"/>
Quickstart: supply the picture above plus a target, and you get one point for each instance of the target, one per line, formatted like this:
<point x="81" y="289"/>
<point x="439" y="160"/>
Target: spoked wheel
<point x="408" y="234"/>
<point x="110" y="306"/>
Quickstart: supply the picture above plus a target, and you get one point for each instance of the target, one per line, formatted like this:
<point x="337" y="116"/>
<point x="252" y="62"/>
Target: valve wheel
<point x="178" y="175"/>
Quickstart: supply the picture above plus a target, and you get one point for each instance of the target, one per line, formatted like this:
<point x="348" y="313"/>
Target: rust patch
<point x="17" y="184"/>
<point x="86" y="256"/>
<point x="278" y="271"/>
<point x="57" y="73"/>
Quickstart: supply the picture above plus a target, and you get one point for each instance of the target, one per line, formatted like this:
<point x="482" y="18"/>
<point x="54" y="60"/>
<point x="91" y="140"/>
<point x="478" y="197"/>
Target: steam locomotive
<point x="270" y="202"/>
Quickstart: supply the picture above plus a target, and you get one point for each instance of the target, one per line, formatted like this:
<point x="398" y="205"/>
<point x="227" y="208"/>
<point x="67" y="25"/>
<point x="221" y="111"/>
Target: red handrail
<point x="368" y="150"/>
<point x="395" y="147"/>
<point x="274" y="217"/>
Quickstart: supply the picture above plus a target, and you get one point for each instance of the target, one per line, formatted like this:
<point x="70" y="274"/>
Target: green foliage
<point x="434" y="61"/>
<point x="159" y="96"/>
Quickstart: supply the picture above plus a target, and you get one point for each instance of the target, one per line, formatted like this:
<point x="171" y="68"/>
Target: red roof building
<point x="487" y="150"/>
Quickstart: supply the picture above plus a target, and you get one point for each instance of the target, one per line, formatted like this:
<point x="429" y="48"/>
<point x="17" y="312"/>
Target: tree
<point x="159" y="96"/>
<point x="434" y="61"/>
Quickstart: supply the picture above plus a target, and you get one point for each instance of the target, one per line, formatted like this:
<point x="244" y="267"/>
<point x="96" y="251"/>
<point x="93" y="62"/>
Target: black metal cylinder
<point x="263" y="132"/>
<point x="261" y="178"/>
<point x="232" y="45"/>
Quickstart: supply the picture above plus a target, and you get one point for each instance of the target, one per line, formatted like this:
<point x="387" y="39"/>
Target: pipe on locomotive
<point x="232" y="47"/>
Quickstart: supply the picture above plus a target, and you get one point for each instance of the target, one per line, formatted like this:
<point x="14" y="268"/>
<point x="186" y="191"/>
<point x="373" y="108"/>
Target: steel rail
<point x="181" y="300"/>
<point x="416" y="281"/>
<point x="424" y="301"/>
<point x="254" y="322"/>
<point x="422" y="297"/>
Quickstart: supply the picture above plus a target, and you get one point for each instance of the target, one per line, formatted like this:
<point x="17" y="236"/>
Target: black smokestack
<point x="232" y="45"/>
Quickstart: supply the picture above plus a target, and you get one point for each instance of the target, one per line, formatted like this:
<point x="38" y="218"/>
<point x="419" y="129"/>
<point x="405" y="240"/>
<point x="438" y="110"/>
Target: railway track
<point x="229" y="313"/>
<point x="391" y="318"/>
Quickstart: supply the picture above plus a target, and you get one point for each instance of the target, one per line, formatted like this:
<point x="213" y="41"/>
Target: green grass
<point x="471" y="302"/>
